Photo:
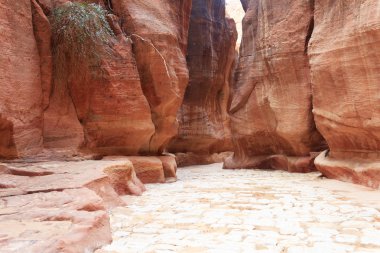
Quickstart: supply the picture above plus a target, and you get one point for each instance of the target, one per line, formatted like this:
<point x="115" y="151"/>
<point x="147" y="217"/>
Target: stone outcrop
<point x="345" y="59"/>
<point x="20" y="82"/>
<point x="190" y="158"/>
<point x="159" y="32"/>
<point x="271" y="109"/>
<point x="203" y="118"/>
<point x="127" y="104"/>
<point x="62" y="206"/>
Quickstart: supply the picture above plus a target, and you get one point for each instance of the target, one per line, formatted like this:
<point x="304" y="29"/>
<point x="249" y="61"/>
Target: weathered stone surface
<point x="271" y="99"/>
<point x="203" y="117"/>
<point x="169" y="165"/>
<point x="148" y="169"/>
<point x="189" y="158"/>
<point x="345" y="59"/>
<point x="20" y="79"/>
<point x="350" y="169"/>
<point x="110" y="103"/>
<point x="72" y="220"/>
<point x="124" y="180"/>
<point x="61" y="206"/>
<point x="159" y="32"/>
<point x="61" y="127"/>
<point x="56" y="176"/>
<point x="42" y="34"/>
<point x="213" y="210"/>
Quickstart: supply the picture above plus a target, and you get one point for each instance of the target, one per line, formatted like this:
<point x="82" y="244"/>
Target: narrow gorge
<point x="104" y="104"/>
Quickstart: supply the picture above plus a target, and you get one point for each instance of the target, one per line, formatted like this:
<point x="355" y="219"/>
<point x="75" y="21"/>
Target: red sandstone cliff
<point x="159" y="32"/>
<point x="125" y="104"/>
<point x="272" y="123"/>
<point x="204" y="122"/>
<point x="20" y="82"/>
<point x="345" y="58"/>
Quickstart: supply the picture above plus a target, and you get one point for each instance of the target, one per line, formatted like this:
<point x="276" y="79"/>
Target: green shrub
<point x="81" y="36"/>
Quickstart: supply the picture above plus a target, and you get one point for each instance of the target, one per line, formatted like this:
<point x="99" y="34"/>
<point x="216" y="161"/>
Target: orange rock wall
<point x="271" y="105"/>
<point x="20" y="82"/>
<point x="127" y="105"/>
<point x="159" y="32"/>
<point x="345" y="69"/>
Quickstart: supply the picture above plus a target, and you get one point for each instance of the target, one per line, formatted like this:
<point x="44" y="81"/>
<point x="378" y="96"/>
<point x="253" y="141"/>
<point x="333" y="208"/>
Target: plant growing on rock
<point x="81" y="36"/>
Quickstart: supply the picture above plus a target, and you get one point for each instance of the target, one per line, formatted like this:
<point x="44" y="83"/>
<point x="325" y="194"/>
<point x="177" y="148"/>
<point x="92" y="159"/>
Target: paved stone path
<point x="215" y="210"/>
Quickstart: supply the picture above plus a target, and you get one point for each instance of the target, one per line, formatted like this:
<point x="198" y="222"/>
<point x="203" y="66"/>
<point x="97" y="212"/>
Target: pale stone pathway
<point x="215" y="210"/>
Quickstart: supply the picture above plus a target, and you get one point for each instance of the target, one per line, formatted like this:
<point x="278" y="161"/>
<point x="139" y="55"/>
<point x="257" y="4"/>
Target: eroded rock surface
<point x="203" y="118"/>
<point x="61" y="206"/>
<point x="271" y="109"/>
<point x="20" y="82"/>
<point x="344" y="58"/>
<point x="159" y="32"/>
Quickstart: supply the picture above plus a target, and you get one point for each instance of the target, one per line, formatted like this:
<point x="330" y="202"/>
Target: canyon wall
<point x="271" y="105"/>
<point x="20" y="82"/>
<point x="124" y="103"/>
<point x="345" y="69"/>
<point x="203" y="119"/>
<point x="159" y="32"/>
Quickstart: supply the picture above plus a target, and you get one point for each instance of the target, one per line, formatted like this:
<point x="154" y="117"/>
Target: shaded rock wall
<point x="271" y="108"/>
<point x="204" y="122"/>
<point x="345" y="58"/>
<point x="20" y="82"/>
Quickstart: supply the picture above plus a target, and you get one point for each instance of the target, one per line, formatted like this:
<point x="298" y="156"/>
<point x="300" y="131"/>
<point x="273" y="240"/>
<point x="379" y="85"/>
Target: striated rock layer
<point x="271" y="112"/>
<point x="204" y="122"/>
<point x="159" y="32"/>
<point x="345" y="68"/>
<point x="125" y="104"/>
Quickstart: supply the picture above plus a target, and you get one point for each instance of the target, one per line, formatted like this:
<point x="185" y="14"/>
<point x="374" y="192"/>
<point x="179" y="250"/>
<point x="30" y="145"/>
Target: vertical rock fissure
<point x="310" y="29"/>
<point x="309" y="34"/>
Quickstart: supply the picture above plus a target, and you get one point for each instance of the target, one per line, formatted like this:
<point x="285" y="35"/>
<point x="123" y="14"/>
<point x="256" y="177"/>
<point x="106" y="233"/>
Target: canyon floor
<point x="214" y="210"/>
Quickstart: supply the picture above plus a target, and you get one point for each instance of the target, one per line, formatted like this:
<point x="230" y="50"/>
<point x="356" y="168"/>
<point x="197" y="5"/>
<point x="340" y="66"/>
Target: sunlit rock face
<point x="203" y="118"/>
<point x="345" y="70"/>
<point x="271" y="105"/>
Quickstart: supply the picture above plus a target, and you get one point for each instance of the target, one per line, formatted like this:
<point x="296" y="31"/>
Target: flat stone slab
<point x="59" y="206"/>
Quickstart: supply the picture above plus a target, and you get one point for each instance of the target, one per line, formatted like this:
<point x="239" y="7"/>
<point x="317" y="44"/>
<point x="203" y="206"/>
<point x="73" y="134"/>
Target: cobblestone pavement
<point x="215" y="210"/>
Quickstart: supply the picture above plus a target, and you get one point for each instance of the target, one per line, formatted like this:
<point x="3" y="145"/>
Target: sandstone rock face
<point x="159" y="32"/>
<point x="344" y="58"/>
<point x="20" y="79"/>
<point x="122" y="106"/>
<point x="148" y="169"/>
<point x="271" y="99"/>
<point x="61" y="127"/>
<point x="203" y="118"/>
<point x="108" y="100"/>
